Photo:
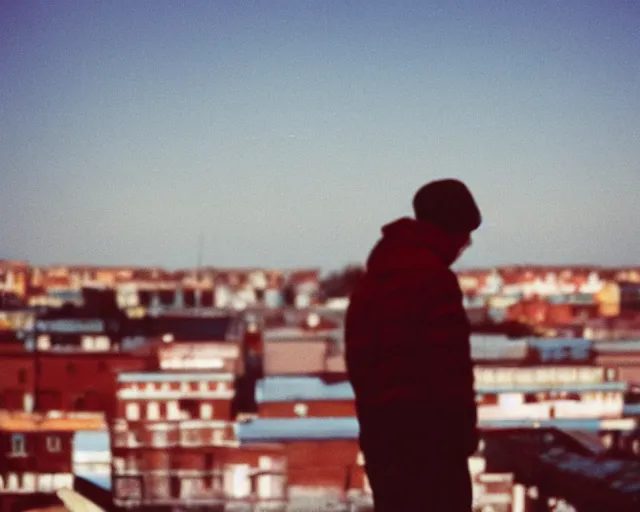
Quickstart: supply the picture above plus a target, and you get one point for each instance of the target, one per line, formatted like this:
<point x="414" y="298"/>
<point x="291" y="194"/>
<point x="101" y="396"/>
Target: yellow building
<point x="609" y="299"/>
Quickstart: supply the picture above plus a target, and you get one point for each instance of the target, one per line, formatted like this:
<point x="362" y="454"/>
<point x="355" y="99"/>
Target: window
<point x="29" y="482"/>
<point x="153" y="411"/>
<point x="27" y="402"/>
<point x="132" y="412"/>
<point x="18" y="445"/>
<point x="88" y="343"/>
<point x="12" y="482"/>
<point x="53" y="444"/>
<point x="45" y="483"/>
<point x="102" y="342"/>
<point x="206" y="411"/>
<point x="173" y="411"/>
<point x="159" y="438"/>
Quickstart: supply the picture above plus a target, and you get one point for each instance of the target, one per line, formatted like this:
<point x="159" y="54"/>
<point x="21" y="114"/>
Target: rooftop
<point x="91" y="441"/>
<point x="33" y="422"/>
<point x="168" y="376"/>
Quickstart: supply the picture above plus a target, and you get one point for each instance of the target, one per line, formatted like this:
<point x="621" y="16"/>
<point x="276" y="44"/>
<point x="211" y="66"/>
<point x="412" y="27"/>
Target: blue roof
<point x="285" y="389"/>
<point x="631" y="410"/>
<point x="100" y="480"/>
<point x="299" y="429"/>
<point x="307" y="389"/>
<point x="585" y="425"/>
<point x="165" y="376"/>
<point x="562" y="349"/>
<point x="91" y="441"/>
<point x="292" y="429"/>
<point x="568" y="388"/>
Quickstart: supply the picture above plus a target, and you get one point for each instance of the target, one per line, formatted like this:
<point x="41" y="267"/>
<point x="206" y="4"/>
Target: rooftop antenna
<point x="198" y="270"/>
<point x="199" y="262"/>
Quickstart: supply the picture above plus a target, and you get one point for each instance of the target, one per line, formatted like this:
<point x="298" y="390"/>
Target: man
<point x="408" y="357"/>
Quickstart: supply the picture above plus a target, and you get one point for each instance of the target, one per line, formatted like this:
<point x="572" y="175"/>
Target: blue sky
<point x="289" y="132"/>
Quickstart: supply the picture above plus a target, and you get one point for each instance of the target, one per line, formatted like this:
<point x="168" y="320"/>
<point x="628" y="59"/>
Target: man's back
<point x="407" y="335"/>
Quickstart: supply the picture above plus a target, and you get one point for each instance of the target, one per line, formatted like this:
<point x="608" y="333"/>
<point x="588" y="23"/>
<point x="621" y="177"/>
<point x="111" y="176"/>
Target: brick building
<point x="173" y="435"/>
<point x="35" y="458"/>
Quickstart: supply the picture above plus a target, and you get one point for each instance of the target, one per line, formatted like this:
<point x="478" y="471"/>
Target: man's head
<point x="449" y="205"/>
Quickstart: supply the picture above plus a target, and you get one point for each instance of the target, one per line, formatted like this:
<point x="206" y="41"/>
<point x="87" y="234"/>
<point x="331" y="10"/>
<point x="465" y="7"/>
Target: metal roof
<point x="585" y="425"/>
<point x="297" y="429"/>
<point x="542" y="388"/>
<point x="613" y="347"/>
<point x="91" y="441"/>
<point x="300" y="429"/>
<point x="166" y="376"/>
<point x="631" y="410"/>
<point x="286" y="389"/>
<point x="310" y="388"/>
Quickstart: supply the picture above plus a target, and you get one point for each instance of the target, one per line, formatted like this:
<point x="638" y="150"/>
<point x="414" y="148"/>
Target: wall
<point x="17" y="379"/>
<point x="312" y="409"/>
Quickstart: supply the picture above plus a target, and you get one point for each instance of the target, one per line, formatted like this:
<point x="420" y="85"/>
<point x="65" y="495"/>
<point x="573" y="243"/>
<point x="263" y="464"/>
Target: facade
<point x="82" y="382"/>
<point x="324" y="461"/>
<point x="35" y="459"/>
<point x="17" y="382"/>
<point x="174" y="435"/>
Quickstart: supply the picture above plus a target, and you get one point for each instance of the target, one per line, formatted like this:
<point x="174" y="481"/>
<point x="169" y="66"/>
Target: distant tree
<point x="341" y="283"/>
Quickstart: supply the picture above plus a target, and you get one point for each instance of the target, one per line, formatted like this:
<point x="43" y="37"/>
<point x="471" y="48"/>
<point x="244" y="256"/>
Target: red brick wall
<point x="16" y="379"/>
<point x="316" y="409"/>
<point x="83" y="382"/>
<point x="325" y="463"/>
<point x="38" y="457"/>
<point x="21" y="502"/>
<point x="628" y="365"/>
<point x="322" y="453"/>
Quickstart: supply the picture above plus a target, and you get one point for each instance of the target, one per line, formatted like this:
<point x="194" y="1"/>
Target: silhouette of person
<point x="408" y="357"/>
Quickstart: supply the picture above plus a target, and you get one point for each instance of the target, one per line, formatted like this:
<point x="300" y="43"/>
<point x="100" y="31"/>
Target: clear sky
<point x="288" y="132"/>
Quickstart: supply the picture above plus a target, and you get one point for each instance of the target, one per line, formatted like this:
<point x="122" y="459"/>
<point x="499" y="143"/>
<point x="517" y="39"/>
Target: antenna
<point x="199" y="262"/>
<point x="197" y="291"/>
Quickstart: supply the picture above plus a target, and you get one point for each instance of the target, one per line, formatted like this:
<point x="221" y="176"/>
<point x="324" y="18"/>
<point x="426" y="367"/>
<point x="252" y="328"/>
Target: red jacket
<point x="407" y="333"/>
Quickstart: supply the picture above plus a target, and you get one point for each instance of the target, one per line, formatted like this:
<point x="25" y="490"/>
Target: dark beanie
<point x="449" y="205"/>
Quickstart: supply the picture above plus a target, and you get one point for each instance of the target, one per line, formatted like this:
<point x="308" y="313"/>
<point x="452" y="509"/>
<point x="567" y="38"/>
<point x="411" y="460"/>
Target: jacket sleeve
<point x="445" y="333"/>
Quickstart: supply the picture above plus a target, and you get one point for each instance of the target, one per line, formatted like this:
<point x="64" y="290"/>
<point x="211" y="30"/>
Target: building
<point x="35" y="458"/>
<point x="174" y="435"/>
<point x="91" y="456"/>
<point x="324" y="463"/>
<point x="617" y="298"/>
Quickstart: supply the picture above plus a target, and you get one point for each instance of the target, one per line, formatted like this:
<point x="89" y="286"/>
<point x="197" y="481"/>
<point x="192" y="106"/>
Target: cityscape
<point x="226" y="389"/>
<point x="190" y="192"/>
